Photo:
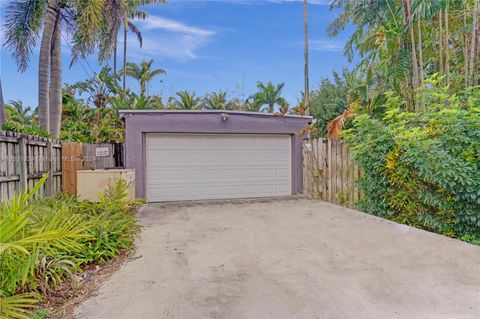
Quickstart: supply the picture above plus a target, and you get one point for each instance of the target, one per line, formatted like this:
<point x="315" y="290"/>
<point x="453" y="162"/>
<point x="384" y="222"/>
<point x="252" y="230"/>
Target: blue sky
<point x="210" y="45"/>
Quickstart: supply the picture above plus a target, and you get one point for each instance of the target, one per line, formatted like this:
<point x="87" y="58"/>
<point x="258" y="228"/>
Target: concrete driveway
<point x="288" y="258"/>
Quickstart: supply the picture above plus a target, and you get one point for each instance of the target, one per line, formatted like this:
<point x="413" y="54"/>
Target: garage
<point x="217" y="166"/>
<point x="201" y="155"/>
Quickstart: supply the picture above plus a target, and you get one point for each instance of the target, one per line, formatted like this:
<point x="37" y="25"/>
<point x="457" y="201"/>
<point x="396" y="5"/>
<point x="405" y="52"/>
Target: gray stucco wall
<point x="138" y="124"/>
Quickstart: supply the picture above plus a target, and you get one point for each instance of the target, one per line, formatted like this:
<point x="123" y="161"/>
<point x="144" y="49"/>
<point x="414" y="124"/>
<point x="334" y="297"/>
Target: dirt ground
<point x="287" y="258"/>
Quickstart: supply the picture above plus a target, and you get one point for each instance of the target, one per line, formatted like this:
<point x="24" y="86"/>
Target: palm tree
<point x="143" y="73"/>
<point x="216" y="101"/>
<point x="114" y="12"/>
<point x="18" y="113"/>
<point x="23" y="23"/>
<point x="269" y="95"/>
<point x="118" y="13"/>
<point x="3" y="114"/>
<point x="185" y="100"/>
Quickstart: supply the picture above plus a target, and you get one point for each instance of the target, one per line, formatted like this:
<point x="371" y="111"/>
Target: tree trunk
<point x="115" y="57"/>
<point x="305" y="35"/>
<point x="473" y="44"/>
<point x="447" y="55"/>
<point x="414" y="49"/>
<point x="142" y="88"/>
<point x="125" y="31"/>
<point x="440" y="42"/>
<point x="56" y="80"/>
<point x="44" y="66"/>
<point x="420" y="52"/>
<point x="3" y="113"/>
<point x="477" y="47"/>
<point x="465" y="46"/>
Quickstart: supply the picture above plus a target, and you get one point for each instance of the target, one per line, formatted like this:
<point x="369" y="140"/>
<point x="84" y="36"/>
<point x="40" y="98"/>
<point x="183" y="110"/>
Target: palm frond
<point x="23" y="22"/>
<point x="335" y="127"/>
<point x="17" y="306"/>
<point x="136" y="31"/>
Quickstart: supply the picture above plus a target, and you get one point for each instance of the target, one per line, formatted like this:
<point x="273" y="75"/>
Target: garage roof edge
<point x="125" y="112"/>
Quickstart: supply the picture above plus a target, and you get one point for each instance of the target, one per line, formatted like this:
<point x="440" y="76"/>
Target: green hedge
<point x="423" y="169"/>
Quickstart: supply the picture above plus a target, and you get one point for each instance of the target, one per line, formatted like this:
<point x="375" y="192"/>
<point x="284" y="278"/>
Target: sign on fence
<point x="101" y="152"/>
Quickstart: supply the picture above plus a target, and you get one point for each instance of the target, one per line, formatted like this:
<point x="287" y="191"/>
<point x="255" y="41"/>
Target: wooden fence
<point x="24" y="159"/>
<point x="330" y="172"/>
<point x="78" y="156"/>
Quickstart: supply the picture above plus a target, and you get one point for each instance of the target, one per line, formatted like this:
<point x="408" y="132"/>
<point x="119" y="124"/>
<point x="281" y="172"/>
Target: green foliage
<point x="45" y="242"/>
<point x="185" y="100"/>
<point x="84" y="124"/>
<point x="328" y="101"/>
<point x="114" y="227"/>
<point x="423" y="169"/>
<point x="143" y="73"/>
<point x="29" y="129"/>
<point x="268" y="96"/>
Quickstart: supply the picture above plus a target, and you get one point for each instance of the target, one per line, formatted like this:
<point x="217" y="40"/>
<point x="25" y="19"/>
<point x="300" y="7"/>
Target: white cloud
<point x="156" y="22"/>
<point x="326" y="45"/>
<point x="167" y="38"/>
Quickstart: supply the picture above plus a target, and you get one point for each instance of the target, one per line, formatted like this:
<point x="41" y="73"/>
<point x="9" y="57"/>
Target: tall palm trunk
<point x="447" y="55"/>
<point x="305" y="35"/>
<point x="44" y="66"/>
<point x="473" y="44"/>
<point x="3" y="113"/>
<point x="125" y="31"/>
<point x="477" y="46"/>
<point x="115" y="57"/>
<point x="440" y="42"/>
<point x="143" y="87"/>
<point x="465" y="46"/>
<point x="56" y="80"/>
<point x="415" y="79"/>
<point x="420" y="51"/>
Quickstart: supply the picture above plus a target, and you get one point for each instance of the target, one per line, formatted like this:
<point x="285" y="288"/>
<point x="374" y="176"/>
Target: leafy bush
<point x="423" y="169"/>
<point x="44" y="242"/>
<point x="30" y="129"/>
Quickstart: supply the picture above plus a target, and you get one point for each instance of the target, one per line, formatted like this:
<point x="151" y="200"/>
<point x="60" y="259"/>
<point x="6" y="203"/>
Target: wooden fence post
<point x="22" y="164"/>
<point x="50" y="184"/>
<point x="71" y="163"/>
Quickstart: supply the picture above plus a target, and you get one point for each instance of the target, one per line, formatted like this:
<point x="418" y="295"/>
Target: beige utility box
<point x="91" y="183"/>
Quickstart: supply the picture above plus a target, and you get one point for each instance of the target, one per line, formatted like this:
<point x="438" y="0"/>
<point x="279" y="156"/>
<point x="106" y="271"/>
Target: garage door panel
<point x="192" y="167"/>
<point x="211" y="172"/>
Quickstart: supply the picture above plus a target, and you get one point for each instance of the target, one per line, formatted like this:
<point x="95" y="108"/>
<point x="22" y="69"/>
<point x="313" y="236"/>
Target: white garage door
<point x="211" y="166"/>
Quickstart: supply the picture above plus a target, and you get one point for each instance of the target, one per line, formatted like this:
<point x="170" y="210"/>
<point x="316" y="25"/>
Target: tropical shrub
<point x="45" y="242"/>
<point x="30" y="129"/>
<point x="423" y="169"/>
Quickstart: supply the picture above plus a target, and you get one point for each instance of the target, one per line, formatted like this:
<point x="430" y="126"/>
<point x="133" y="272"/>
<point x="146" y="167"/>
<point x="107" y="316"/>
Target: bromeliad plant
<point x="423" y="169"/>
